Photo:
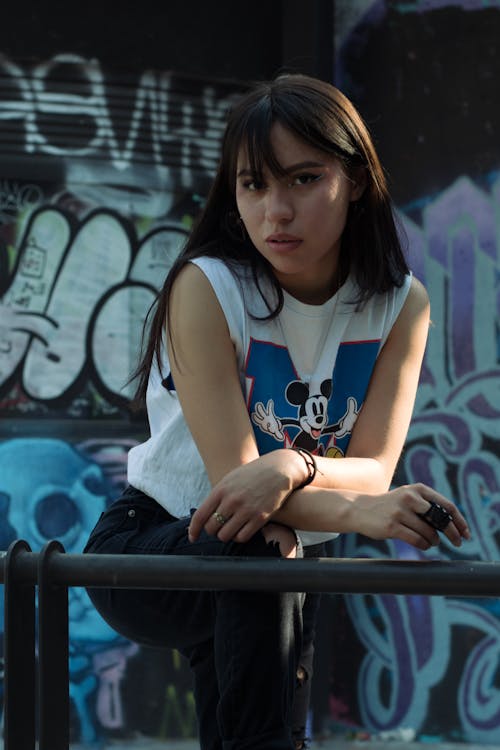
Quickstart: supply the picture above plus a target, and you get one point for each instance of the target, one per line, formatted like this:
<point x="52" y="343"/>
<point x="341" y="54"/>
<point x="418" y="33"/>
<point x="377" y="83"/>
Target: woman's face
<point x="296" y="221"/>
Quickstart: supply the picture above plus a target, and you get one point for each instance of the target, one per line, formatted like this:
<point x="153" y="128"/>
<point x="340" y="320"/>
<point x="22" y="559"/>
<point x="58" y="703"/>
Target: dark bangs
<point x="319" y="120"/>
<point x="307" y="111"/>
<point x="251" y="131"/>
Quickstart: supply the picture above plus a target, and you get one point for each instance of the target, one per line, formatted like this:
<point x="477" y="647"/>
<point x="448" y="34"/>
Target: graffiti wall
<point x="101" y="176"/>
<point x="425" y="76"/>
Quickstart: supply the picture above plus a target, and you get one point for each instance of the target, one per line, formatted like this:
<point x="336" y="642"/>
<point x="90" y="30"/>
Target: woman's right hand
<point x="397" y="514"/>
<point x="246" y="499"/>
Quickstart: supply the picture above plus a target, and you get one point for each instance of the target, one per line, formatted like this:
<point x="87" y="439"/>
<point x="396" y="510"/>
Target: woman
<point x="289" y="332"/>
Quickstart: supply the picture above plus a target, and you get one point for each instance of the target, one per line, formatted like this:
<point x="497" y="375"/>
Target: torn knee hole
<point x="302" y="676"/>
<point x="282" y="538"/>
<point x="300" y="741"/>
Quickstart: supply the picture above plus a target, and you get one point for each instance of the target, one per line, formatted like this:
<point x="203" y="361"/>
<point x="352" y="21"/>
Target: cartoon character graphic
<point x="311" y="419"/>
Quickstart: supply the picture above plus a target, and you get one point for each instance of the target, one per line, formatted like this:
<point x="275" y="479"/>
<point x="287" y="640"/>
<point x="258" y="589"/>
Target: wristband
<point x="311" y="465"/>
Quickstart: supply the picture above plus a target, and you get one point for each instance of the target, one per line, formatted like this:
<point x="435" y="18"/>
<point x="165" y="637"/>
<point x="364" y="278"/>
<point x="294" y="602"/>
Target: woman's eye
<point x="253" y="185"/>
<point x="305" y="179"/>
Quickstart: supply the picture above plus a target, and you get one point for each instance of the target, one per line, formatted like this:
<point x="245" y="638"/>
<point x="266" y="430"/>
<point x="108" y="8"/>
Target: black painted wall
<point x="220" y="39"/>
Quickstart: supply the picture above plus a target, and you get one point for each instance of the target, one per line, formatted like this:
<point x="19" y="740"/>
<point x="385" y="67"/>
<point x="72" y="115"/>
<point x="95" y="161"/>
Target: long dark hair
<point x="323" y="117"/>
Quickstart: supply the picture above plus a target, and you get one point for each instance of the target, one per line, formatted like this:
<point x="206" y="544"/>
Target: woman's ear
<point x="358" y="183"/>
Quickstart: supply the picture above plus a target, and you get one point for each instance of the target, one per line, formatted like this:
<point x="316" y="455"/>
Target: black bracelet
<point x="312" y="467"/>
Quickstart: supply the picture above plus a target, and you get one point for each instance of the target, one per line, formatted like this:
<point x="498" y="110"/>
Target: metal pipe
<point x="53" y="656"/>
<point x="334" y="575"/>
<point x="19" y="652"/>
<point x="54" y="571"/>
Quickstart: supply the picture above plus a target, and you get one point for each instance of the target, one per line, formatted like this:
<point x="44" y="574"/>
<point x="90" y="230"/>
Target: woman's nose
<point x="279" y="206"/>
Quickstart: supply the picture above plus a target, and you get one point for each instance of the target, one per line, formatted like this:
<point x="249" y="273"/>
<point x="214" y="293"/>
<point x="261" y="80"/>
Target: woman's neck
<point x="310" y="291"/>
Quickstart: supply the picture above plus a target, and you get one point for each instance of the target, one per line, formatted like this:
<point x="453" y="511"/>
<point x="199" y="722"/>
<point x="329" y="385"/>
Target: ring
<point x="219" y="518"/>
<point x="436" y="516"/>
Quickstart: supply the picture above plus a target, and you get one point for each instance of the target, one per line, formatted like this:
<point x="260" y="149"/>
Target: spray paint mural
<point x="103" y="177"/>
<point x="101" y="180"/>
<point x="433" y="664"/>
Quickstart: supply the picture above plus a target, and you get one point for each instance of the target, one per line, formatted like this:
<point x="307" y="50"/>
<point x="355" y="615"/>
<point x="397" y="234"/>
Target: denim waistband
<point x="146" y="505"/>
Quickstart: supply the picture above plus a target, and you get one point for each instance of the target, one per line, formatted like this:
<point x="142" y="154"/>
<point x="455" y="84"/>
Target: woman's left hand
<point x="246" y="498"/>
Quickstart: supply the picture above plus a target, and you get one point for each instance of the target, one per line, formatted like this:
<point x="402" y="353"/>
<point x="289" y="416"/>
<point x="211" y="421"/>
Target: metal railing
<point x="37" y="697"/>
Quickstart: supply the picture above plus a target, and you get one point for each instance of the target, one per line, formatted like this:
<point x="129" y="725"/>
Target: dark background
<point x="222" y="39"/>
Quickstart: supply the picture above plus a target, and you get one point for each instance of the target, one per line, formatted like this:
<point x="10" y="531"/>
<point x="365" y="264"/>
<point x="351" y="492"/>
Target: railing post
<point x="19" y="645"/>
<point x="53" y="668"/>
<point x="54" y="572"/>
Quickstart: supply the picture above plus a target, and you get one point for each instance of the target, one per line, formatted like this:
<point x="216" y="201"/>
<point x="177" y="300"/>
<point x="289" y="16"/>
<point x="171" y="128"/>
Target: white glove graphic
<point x="347" y="422"/>
<point x="267" y="421"/>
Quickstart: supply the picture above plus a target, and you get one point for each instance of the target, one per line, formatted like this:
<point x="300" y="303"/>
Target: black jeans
<point x="243" y="647"/>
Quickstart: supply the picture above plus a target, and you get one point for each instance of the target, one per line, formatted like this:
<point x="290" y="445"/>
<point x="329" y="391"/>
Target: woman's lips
<point x="283" y="242"/>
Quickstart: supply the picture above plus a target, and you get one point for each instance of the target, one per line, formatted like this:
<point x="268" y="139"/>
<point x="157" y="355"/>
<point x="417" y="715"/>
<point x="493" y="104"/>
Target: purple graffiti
<point x="453" y="445"/>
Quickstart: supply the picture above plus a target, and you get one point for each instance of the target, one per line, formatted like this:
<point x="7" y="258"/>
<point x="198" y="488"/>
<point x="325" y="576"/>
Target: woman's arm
<point x="250" y="490"/>
<point x="380" y="430"/>
<point x="204" y="370"/>
<point x="387" y="515"/>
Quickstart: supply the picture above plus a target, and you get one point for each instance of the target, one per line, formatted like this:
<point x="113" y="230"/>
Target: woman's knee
<point x="283" y="537"/>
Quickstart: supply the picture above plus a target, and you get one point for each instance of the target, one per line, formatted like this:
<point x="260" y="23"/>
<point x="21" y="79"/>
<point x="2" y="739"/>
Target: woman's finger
<point x="426" y="532"/>
<point x="203" y="515"/>
<point x="436" y="516"/>
<point x="237" y="530"/>
<point x="458" y="519"/>
<point x="417" y="535"/>
<point x="425" y="498"/>
<point x="227" y="532"/>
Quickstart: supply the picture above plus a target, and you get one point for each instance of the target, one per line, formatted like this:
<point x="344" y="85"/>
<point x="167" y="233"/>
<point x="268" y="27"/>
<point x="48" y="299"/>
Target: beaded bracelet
<point x="312" y="467"/>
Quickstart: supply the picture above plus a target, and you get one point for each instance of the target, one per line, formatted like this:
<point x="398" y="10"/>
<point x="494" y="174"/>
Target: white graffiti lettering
<point x="72" y="288"/>
<point x="184" y="130"/>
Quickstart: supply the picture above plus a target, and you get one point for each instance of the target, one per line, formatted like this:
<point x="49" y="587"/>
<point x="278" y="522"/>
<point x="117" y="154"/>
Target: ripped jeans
<point x="244" y="648"/>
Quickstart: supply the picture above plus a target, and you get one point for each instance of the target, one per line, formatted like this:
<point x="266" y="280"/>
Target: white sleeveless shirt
<point x="304" y="376"/>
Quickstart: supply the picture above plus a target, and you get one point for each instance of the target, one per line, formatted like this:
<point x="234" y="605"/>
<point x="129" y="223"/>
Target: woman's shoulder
<point x="409" y="293"/>
<point x="203" y="276"/>
<point x="409" y="290"/>
<point x="415" y="301"/>
<point x="218" y="268"/>
<point x="206" y="278"/>
<point x="417" y="292"/>
<point x="209" y="264"/>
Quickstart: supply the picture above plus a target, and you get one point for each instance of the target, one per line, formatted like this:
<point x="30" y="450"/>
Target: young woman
<point x="288" y="333"/>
